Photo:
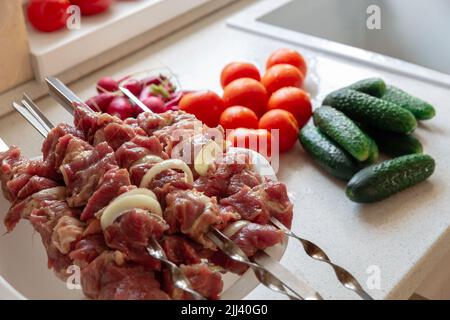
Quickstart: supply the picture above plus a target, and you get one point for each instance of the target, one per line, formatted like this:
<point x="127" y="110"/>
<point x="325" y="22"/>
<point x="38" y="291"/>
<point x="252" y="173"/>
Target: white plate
<point x="24" y="273"/>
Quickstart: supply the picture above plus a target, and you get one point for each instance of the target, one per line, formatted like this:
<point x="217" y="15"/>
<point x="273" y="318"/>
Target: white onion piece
<point x="166" y="165"/>
<point x="233" y="228"/>
<point x="147" y="159"/>
<point x="206" y="157"/>
<point x="260" y="164"/>
<point x="119" y="206"/>
<point x="141" y="191"/>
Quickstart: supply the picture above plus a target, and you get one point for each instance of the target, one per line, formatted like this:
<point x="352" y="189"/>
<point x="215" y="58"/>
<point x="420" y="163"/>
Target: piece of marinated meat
<point x="82" y="175"/>
<point x="151" y="122"/>
<point x="23" y="208"/>
<point x="131" y="234"/>
<point x="276" y="199"/>
<point x="57" y="241"/>
<point x="180" y="250"/>
<point x="109" y="278"/>
<point x="250" y="239"/>
<point x="113" y="183"/>
<point x="21" y="177"/>
<point x="49" y="147"/>
<point x="227" y="177"/>
<point x="90" y="122"/>
<point x="87" y="249"/>
<point x="191" y="213"/>
<point x="202" y="278"/>
<point x="116" y="134"/>
<point x="182" y="130"/>
<point x="68" y="149"/>
<point x="11" y="161"/>
<point x="136" y="149"/>
<point x="248" y="203"/>
<point x="261" y="202"/>
<point x="50" y="142"/>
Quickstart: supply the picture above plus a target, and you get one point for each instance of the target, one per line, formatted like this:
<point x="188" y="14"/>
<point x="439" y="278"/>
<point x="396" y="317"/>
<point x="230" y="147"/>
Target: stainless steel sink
<point x="413" y="32"/>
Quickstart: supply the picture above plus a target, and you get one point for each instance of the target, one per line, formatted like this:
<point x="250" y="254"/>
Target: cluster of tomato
<point x="252" y="106"/>
<point x="51" y="15"/>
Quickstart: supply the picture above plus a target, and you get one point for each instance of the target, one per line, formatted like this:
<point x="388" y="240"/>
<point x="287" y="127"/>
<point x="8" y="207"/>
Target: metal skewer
<point x="27" y="115"/>
<point x="180" y="281"/>
<point x="315" y="252"/>
<point x="303" y="291"/>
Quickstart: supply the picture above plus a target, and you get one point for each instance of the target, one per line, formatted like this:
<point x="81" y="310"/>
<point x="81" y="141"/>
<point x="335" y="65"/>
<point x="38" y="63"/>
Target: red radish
<point x="121" y="108"/>
<point x="145" y="93"/>
<point x="134" y="86"/>
<point x="152" y="80"/>
<point x="107" y="84"/>
<point x="100" y="102"/>
<point x="155" y="104"/>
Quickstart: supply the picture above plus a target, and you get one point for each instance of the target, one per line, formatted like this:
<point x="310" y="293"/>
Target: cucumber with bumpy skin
<point x="342" y="130"/>
<point x="420" y="109"/>
<point x="374" y="154"/>
<point x="395" y="144"/>
<point x="327" y="154"/>
<point x="371" y="111"/>
<point x="385" y="179"/>
<point x="375" y="87"/>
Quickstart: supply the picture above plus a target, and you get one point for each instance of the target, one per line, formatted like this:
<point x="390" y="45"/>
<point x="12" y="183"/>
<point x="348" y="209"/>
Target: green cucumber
<point x="420" y="109"/>
<point x="395" y="144"/>
<point x="375" y="87"/>
<point x="327" y="154"/>
<point x="372" y="111"/>
<point x="342" y="130"/>
<point x="385" y="179"/>
<point x="374" y="154"/>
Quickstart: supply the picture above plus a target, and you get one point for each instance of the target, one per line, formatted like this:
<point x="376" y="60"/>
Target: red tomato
<point x="294" y="100"/>
<point x="207" y="106"/>
<point x="255" y="139"/>
<point x="288" y="56"/>
<point x="48" y="15"/>
<point x="285" y="122"/>
<point x="91" y="7"/>
<point x="238" y="70"/>
<point x="280" y="76"/>
<point x="238" y="117"/>
<point x="248" y="93"/>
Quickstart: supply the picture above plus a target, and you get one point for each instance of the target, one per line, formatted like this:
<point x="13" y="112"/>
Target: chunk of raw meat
<point x="22" y="209"/>
<point x="131" y="234"/>
<point x="191" y="213"/>
<point x="105" y="279"/>
<point x="180" y="250"/>
<point x="250" y="239"/>
<point x="108" y="188"/>
<point x="44" y="221"/>
<point x="82" y="175"/>
<point x="202" y="279"/>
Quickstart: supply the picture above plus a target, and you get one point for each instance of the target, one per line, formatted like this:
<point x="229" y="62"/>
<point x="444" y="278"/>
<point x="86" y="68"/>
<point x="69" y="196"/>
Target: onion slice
<point x="166" y="165"/>
<point x="122" y="204"/>
<point x="233" y="228"/>
<point x="141" y="191"/>
<point x="206" y="157"/>
<point x="147" y="159"/>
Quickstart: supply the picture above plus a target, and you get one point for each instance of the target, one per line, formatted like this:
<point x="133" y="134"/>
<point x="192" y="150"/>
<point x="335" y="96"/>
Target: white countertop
<point x="404" y="237"/>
